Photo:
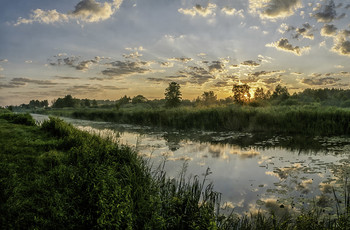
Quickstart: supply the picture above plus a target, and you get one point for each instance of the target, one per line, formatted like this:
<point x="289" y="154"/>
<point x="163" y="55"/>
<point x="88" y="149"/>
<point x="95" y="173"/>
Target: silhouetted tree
<point x="209" y="98"/>
<point x="280" y="92"/>
<point x="241" y="93"/>
<point x="86" y="103"/>
<point x="173" y="95"/>
<point x="124" y="100"/>
<point x="259" y="94"/>
<point x="94" y="103"/>
<point x="138" y="99"/>
<point x="67" y="101"/>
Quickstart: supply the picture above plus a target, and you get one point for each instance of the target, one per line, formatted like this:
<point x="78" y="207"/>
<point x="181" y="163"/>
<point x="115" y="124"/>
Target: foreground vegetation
<point x="57" y="177"/>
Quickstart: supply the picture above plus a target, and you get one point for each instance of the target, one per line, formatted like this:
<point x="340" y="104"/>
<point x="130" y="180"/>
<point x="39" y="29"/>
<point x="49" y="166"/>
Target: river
<point x="252" y="172"/>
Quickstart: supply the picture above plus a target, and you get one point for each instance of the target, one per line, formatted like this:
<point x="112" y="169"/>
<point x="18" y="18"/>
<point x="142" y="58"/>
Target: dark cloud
<point x="197" y="75"/>
<point x="89" y="88"/>
<point x="347" y="6"/>
<point x="305" y="31"/>
<point x="343" y="47"/>
<point x="216" y="66"/>
<point x="66" y="78"/>
<point x="199" y="10"/>
<point x="122" y="68"/>
<point x="250" y="63"/>
<point x="74" y="62"/>
<point x="10" y="85"/>
<point x="250" y="79"/>
<point x="327" y="13"/>
<point x="320" y="81"/>
<point x="284" y="45"/>
<point x="341" y="44"/>
<point x="264" y="73"/>
<point x="281" y="8"/>
<point x="328" y="30"/>
<point x="222" y="84"/>
<point x="166" y="64"/>
<point x="272" y="80"/>
<point x="84" y="65"/>
<point x="22" y="81"/>
<point x="274" y="8"/>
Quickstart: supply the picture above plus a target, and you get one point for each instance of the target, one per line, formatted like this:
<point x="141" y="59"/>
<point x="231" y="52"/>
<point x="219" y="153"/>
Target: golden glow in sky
<point x="104" y="49"/>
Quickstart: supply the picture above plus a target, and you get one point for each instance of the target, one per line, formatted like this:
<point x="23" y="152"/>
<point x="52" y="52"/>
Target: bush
<point x="22" y="119"/>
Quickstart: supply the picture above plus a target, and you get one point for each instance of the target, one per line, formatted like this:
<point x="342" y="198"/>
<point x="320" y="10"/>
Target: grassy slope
<point x="56" y="177"/>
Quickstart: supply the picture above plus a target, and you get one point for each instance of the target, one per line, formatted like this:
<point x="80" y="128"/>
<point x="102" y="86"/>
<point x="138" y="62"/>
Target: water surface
<point x="253" y="172"/>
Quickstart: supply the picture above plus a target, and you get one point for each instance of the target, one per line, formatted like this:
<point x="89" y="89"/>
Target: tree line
<point x="241" y="95"/>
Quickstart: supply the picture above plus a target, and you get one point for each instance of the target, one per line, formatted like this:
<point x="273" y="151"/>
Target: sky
<point x="105" y="49"/>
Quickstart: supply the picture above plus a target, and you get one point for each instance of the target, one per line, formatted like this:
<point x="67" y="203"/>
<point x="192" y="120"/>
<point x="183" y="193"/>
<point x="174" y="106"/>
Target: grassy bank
<point x="311" y="120"/>
<point x="57" y="177"/>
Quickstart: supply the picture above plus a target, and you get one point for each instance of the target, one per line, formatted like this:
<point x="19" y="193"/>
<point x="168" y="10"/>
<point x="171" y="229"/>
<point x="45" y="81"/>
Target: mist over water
<point x="253" y="172"/>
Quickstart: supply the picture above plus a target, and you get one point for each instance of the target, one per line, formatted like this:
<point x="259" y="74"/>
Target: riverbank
<point x="56" y="176"/>
<point x="306" y="120"/>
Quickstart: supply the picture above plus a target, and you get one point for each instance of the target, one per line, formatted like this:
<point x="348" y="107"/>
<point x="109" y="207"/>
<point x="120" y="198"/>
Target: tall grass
<point x="313" y="120"/>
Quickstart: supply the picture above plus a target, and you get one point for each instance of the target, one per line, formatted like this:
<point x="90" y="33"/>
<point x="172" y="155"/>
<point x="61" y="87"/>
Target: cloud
<point x="256" y="76"/>
<point x="85" y="10"/>
<point x="320" y="81"/>
<point x="250" y="63"/>
<point x="135" y="54"/>
<point x="1" y="69"/>
<point x="304" y="31"/>
<point x="166" y="64"/>
<point x="28" y="61"/>
<point x="284" y="45"/>
<point x="285" y="28"/>
<point x="329" y="30"/>
<point x="181" y="59"/>
<point x="43" y="17"/>
<point x="89" y="89"/>
<point x="272" y="9"/>
<point x="84" y="65"/>
<point x="120" y="68"/>
<point x="4" y="60"/>
<point x="232" y="12"/>
<point x="327" y="12"/>
<point x="341" y="44"/>
<point x="74" y="62"/>
<point x="199" y="10"/>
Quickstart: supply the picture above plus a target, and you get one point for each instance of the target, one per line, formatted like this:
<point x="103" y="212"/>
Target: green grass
<point x="57" y="177"/>
<point x="308" y="120"/>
